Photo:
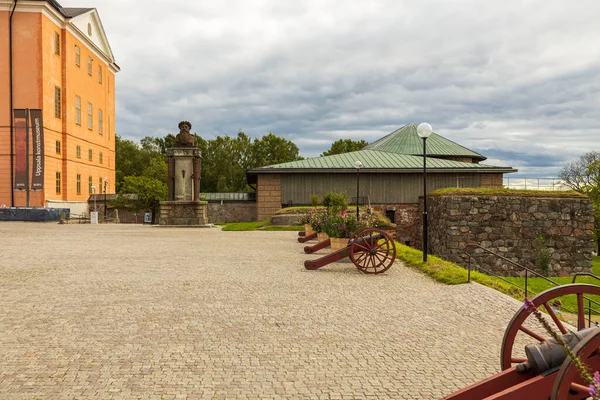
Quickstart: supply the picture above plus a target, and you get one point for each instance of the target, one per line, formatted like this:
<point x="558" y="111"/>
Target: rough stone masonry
<point x="509" y="226"/>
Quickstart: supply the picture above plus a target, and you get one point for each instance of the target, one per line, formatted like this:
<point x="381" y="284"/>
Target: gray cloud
<point x="518" y="81"/>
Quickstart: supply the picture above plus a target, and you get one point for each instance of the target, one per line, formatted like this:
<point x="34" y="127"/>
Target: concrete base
<point x="183" y="213"/>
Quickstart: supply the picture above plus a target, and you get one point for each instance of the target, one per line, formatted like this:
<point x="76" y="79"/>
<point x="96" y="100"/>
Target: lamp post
<point x="105" y="207"/>
<point x="424" y="130"/>
<point x="357" y="165"/>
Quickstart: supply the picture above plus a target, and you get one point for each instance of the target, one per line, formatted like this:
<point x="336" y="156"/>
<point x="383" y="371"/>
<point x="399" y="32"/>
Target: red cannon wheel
<point x="372" y="251"/>
<point x="569" y="385"/>
<point x="544" y="299"/>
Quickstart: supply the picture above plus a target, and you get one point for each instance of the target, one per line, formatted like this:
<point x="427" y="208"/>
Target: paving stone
<point x="125" y="311"/>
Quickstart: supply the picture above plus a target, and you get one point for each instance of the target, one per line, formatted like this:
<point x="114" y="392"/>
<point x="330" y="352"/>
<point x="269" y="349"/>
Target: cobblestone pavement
<point x="117" y="311"/>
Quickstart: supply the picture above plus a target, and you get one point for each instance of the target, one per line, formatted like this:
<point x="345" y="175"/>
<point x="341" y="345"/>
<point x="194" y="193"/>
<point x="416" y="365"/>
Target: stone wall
<point x="231" y="211"/>
<point x="509" y="226"/>
<point x="268" y="192"/>
<point x="406" y="218"/>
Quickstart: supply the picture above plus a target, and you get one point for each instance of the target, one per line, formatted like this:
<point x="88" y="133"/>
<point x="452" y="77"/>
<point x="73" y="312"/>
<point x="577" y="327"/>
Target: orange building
<point x="58" y="60"/>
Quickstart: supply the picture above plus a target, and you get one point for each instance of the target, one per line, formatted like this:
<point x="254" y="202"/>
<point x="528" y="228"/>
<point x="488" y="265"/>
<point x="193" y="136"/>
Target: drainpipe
<point x="10" y="107"/>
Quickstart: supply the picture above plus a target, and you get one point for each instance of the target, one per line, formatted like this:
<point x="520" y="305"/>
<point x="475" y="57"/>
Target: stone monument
<point x="184" y="207"/>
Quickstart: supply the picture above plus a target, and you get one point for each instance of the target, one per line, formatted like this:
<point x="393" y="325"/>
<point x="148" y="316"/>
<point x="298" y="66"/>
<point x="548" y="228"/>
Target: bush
<point x="342" y="225"/>
<point x="314" y="200"/>
<point x="317" y="219"/>
<point x="544" y="255"/>
<point x="335" y="202"/>
<point x="374" y="219"/>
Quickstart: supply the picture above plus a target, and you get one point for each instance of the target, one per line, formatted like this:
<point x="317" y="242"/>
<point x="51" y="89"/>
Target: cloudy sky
<point x="518" y="81"/>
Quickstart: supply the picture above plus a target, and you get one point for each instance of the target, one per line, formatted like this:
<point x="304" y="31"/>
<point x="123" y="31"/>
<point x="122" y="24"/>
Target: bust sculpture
<point x="184" y="138"/>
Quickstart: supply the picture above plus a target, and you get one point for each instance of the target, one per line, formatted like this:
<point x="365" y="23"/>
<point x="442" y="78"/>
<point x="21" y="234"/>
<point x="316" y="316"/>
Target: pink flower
<point x="528" y="305"/>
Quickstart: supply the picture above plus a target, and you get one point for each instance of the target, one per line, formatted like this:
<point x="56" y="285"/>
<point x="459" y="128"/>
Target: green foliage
<point x="335" y="202"/>
<point x="345" y="146"/>
<point x="260" y="226"/>
<point x="317" y="219"/>
<point x="449" y="273"/>
<point x="272" y="149"/>
<point x="374" y="219"/>
<point x="583" y="175"/>
<point x="538" y="285"/>
<point x="149" y="192"/>
<point x="244" y="226"/>
<point x="295" y="228"/>
<point x="225" y="159"/>
<point x="342" y="225"/>
<point x="544" y="255"/>
<point x="314" y="200"/>
<point x="131" y="160"/>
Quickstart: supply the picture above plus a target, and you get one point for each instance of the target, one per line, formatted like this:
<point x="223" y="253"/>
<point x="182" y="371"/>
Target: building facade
<point x="57" y="60"/>
<point x="390" y="177"/>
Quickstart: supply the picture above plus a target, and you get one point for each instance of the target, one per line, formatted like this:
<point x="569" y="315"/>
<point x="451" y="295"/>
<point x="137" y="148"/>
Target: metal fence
<point x="534" y="183"/>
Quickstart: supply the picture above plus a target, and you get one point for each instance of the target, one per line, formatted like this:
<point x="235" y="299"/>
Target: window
<point x="100" y="158"/>
<point x="56" y="101"/>
<point x="78" y="110"/>
<point x="77" y="56"/>
<point x="109" y="126"/>
<point x="78" y="151"/>
<point x="90" y="154"/>
<point x="58" y="183"/>
<point x="99" y="185"/>
<point x="89" y="65"/>
<point x="100" y="73"/>
<point x="57" y="43"/>
<point x="100" y="117"/>
<point x="58" y="147"/>
<point x="90" y="116"/>
<point x="78" y="183"/>
<point x="90" y="185"/>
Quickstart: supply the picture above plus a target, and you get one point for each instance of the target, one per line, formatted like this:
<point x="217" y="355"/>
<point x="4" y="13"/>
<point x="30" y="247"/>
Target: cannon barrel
<point x="542" y="357"/>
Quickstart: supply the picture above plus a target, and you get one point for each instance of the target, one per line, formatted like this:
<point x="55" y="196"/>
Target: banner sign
<point x="21" y="150"/>
<point x="37" y="131"/>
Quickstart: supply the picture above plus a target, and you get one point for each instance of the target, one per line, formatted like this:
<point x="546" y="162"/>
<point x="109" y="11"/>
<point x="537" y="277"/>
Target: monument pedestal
<point x="184" y="207"/>
<point x="183" y="213"/>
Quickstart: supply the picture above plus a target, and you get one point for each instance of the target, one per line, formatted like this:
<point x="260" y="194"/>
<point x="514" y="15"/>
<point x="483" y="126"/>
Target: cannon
<point x="317" y="247"/>
<point x="546" y="372"/>
<point x="372" y="251"/>
<point x="306" y="238"/>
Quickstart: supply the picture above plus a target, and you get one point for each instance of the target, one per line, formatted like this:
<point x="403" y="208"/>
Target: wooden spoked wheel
<point x="544" y="299"/>
<point x="372" y="251"/>
<point x="569" y="385"/>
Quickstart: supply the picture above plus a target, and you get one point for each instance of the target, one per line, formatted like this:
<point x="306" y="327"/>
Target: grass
<point x="538" y="285"/>
<point x="449" y="273"/>
<point x="452" y="274"/>
<point x="507" y="192"/>
<point x="260" y="226"/>
<point x="244" y="226"/>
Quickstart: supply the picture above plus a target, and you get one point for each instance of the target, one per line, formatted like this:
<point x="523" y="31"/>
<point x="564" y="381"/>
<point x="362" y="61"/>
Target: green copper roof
<point x="406" y="141"/>
<point x="372" y="159"/>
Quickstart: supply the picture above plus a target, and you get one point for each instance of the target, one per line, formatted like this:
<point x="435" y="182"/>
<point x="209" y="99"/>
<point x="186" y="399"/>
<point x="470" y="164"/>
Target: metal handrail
<point x="527" y="271"/>
<point x="585" y="274"/>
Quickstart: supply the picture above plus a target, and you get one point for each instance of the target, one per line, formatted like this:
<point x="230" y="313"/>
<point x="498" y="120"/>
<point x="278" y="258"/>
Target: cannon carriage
<point x="546" y="372"/>
<point x="371" y="250"/>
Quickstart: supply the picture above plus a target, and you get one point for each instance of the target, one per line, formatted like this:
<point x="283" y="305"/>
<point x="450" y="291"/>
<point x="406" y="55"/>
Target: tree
<point x="345" y="146"/>
<point x="272" y="149"/>
<point x="149" y="193"/>
<point x="583" y="176"/>
<point x="577" y="174"/>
